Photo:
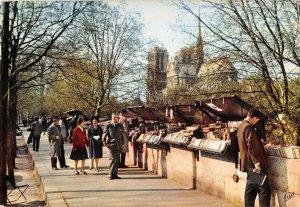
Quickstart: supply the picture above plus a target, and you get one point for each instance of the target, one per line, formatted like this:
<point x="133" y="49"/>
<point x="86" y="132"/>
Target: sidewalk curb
<point x="52" y="200"/>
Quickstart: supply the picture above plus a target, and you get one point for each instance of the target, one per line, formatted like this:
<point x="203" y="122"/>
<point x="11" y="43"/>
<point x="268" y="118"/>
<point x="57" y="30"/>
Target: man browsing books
<point x="252" y="155"/>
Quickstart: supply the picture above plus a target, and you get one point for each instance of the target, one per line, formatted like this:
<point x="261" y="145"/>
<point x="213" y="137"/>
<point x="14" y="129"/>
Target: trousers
<point x="36" y="142"/>
<point x="114" y="162"/>
<point x="264" y="194"/>
<point x="62" y="159"/>
<point x="122" y="159"/>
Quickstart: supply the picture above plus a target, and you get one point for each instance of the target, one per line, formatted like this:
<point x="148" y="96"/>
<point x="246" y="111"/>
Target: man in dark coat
<point x="253" y="155"/>
<point x="55" y="139"/>
<point x="37" y="129"/>
<point x="113" y="139"/>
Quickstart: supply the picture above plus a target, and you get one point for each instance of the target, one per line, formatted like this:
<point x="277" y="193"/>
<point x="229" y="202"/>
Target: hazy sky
<point x="161" y="20"/>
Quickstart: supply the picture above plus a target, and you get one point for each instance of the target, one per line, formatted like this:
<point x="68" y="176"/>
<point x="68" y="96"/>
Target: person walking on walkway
<point x="253" y="157"/>
<point x="63" y="129"/>
<point x="44" y="124"/>
<point x="124" y="122"/>
<point x="37" y="129"/>
<point x="95" y="139"/>
<point x="55" y="139"/>
<point x="138" y="147"/>
<point x="113" y="139"/>
<point x="80" y="142"/>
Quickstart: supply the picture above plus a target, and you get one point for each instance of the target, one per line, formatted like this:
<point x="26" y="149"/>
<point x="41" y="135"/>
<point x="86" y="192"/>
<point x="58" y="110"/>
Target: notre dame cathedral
<point x="186" y="69"/>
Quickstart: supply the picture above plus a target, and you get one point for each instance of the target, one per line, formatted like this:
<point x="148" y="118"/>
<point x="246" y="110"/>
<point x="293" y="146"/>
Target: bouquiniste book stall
<point x="205" y="131"/>
<point x="204" y="125"/>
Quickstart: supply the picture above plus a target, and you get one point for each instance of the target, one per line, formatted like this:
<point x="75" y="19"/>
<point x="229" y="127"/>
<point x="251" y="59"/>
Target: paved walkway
<point x="24" y="175"/>
<point x="136" y="188"/>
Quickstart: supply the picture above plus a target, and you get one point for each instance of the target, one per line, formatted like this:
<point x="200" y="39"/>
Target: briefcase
<point x="257" y="178"/>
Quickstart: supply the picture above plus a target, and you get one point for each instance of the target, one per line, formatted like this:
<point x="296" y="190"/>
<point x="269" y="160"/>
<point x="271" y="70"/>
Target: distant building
<point x="158" y="58"/>
<point x="216" y="73"/>
<point x="186" y="69"/>
<point x="183" y="69"/>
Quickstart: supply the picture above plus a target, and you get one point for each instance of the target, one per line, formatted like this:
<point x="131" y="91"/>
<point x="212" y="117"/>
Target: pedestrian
<point x="55" y="139"/>
<point x="62" y="159"/>
<point x="80" y="142"/>
<point x="113" y="139"/>
<point x="49" y="121"/>
<point x="37" y="130"/>
<point x="72" y="124"/>
<point x="125" y="124"/>
<point x="253" y="157"/>
<point x="138" y="147"/>
<point x="95" y="139"/>
<point x="44" y="124"/>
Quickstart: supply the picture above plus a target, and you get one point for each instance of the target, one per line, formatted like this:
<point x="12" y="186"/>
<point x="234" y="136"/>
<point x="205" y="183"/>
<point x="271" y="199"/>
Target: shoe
<point x="97" y="169"/>
<point x="117" y="177"/>
<point x="110" y="178"/>
<point x="54" y="168"/>
<point x="66" y="166"/>
<point x="76" y="172"/>
<point x="84" y="173"/>
<point x="91" y="168"/>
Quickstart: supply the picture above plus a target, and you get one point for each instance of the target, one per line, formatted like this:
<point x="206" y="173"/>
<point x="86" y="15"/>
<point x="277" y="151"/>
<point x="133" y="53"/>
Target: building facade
<point x="158" y="58"/>
<point x="183" y="69"/>
<point x="186" y="69"/>
<point x="216" y="74"/>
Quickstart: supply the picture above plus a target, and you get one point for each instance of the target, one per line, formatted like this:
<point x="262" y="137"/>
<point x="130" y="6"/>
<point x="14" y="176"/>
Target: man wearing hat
<point x="113" y="139"/>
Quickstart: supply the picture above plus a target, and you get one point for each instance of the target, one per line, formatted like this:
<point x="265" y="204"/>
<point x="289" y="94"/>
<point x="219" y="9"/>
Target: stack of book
<point x="290" y="152"/>
<point x="181" y="138"/>
<point x="149" y="138"/>
<point x="216" y="146"/>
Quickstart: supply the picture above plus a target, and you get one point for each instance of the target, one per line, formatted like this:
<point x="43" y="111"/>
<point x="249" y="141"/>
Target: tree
<point x="108" y="59"/>
<point x="34" y="27"/>
<point x="3" y="101"/>
<point x="262" y="38"/>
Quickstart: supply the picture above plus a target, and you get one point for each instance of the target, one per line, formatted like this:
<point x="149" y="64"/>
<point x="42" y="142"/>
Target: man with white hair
<point x="113" y="139"/>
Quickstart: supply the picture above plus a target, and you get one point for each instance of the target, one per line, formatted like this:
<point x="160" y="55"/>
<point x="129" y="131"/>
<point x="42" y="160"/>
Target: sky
<point x="161" y="22"/>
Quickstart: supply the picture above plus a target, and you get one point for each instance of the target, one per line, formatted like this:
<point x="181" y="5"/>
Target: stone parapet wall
<point x="213" y="173"/>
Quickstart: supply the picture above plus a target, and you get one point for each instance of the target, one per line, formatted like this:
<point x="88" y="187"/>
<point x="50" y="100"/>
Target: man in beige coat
<point x="124" y="122"/>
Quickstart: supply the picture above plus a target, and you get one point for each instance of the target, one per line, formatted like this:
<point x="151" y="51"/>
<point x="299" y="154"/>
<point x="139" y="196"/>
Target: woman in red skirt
<point x="79" y="141"/>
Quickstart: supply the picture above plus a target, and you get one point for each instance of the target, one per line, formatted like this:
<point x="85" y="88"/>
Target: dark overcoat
<point x="113" y="136"/>
<point x="251" y="148"/>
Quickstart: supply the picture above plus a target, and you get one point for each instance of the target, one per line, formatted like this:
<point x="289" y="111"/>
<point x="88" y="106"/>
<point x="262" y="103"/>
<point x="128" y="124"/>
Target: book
<point x="257" y="178"/>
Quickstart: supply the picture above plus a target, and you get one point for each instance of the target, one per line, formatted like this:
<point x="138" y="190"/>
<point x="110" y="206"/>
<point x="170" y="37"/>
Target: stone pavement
<point x="136" y="188"/>
<point x="24" y="175"/>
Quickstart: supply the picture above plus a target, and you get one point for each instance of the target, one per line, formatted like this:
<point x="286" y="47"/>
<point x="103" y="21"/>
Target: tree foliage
<point x="262" y="39"/>
<point x="107" y="58"/>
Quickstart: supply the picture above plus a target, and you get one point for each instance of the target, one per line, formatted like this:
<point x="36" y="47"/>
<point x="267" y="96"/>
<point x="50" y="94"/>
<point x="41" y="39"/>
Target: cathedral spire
<point x="199" y="46"/>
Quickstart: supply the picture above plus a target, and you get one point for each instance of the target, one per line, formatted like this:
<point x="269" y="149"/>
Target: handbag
<point x="29" y="140"/>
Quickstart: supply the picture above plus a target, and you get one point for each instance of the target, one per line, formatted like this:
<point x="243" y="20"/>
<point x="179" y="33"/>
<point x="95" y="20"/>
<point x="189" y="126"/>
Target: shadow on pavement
<point x="31" y="204"/>
<point x="119" y="190"/>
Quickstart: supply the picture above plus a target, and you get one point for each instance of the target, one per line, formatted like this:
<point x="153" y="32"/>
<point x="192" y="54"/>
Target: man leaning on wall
<point x="253" y="156"/>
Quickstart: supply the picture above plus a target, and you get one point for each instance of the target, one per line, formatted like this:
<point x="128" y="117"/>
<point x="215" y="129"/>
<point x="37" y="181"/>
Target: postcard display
<point x="217" y="139"/>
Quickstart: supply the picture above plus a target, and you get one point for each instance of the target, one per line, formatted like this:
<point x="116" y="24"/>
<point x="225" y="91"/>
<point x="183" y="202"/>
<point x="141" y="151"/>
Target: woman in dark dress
<point x="95" y="139"/>
<point x="79" y="141"/>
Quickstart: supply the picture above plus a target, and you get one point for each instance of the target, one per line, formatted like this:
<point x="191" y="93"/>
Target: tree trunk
<point x="11" y="129"/>
<point x="3" y="101"/>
